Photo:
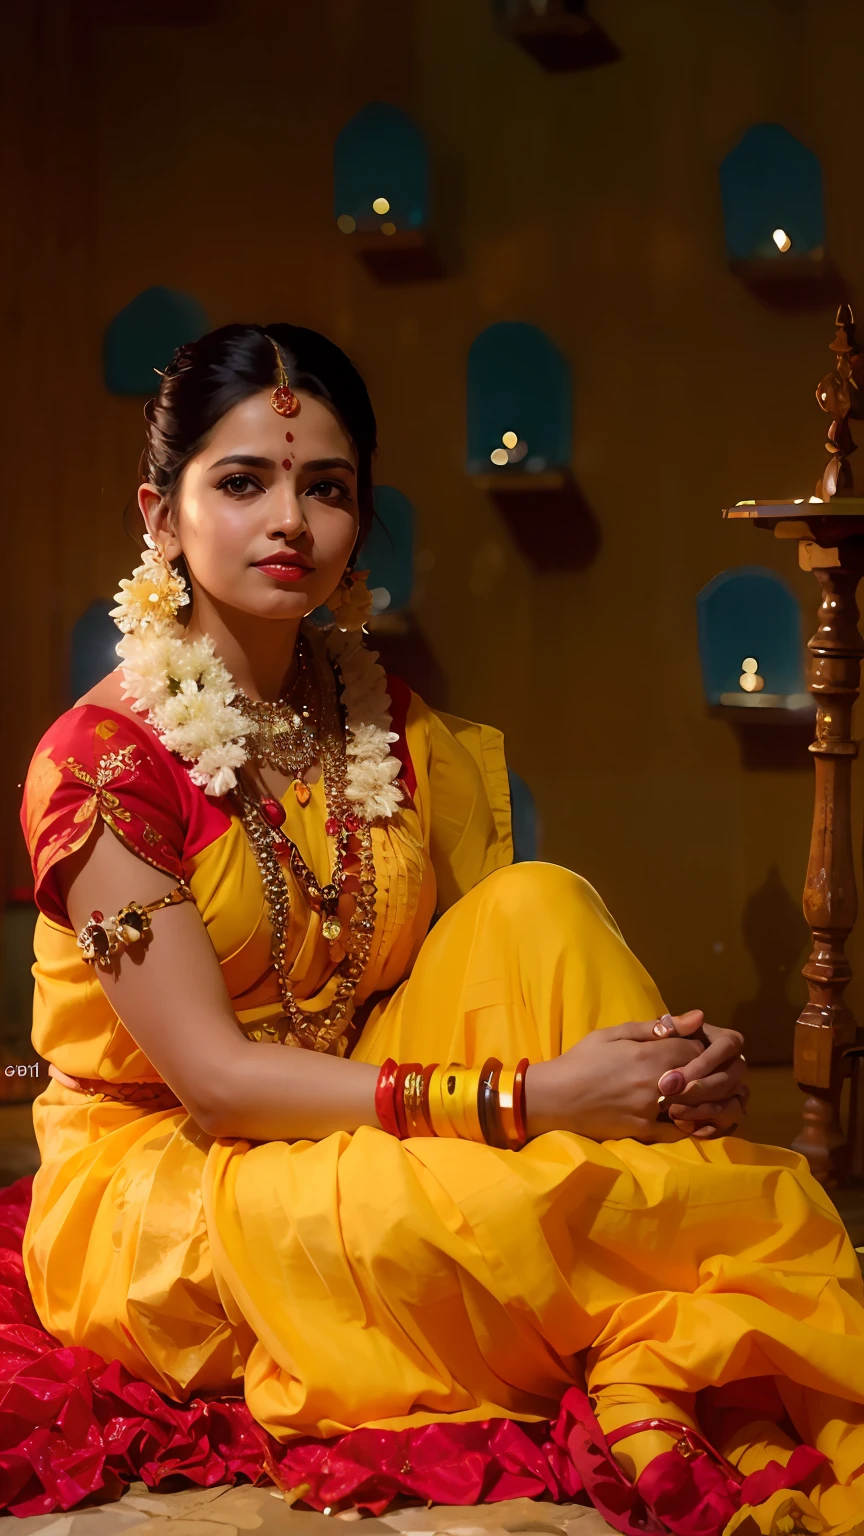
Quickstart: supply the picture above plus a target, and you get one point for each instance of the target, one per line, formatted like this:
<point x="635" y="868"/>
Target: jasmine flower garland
<point x="186" y="692"/>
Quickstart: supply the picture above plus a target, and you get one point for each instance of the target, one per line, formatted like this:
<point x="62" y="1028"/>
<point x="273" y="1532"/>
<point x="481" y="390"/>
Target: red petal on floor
<point x="72" y="1426"/>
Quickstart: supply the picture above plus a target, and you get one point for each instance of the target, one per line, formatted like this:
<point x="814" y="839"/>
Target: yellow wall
<point x="587" y="203"/>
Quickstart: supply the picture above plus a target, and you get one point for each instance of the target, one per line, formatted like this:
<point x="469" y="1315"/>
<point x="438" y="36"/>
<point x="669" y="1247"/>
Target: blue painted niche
<point x="744" y="613"/>
<point x="771" y="181"/>
<point x="519" y="386"/>
<point x="143" y="337"/>
<point x="389" y="547"/>
<point x="92" y="650"/>
<point x="381" y="154"/>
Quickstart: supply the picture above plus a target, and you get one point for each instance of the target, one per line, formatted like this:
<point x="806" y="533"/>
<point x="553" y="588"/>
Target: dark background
<point x="197" y="153"/>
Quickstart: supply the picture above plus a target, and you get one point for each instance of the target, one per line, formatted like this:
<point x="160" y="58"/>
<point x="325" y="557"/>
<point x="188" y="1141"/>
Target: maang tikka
<point x="283" y="398"/>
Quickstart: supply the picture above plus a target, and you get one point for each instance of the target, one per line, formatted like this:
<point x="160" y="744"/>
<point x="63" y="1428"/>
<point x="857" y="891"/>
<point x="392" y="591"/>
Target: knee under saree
<point x="363" y="1281"/>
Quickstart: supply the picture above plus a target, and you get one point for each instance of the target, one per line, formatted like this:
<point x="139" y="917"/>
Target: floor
<point x="224" y="1511"/>
<point x="227" y="1511"/>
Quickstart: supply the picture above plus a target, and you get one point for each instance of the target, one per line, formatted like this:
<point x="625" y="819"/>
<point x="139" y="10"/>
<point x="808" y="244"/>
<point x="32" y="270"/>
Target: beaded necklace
<point x="346" y="901"/>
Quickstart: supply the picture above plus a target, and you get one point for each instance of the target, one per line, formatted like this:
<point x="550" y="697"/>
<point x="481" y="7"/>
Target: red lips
<point x="285" y="557"/>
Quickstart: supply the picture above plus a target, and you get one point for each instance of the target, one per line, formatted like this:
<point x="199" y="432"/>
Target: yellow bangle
<point x="439" y="1107"/>
<point x="460" y="1100"/>
<point x="453" y="1099"/>
<point x="470" y="1112"/>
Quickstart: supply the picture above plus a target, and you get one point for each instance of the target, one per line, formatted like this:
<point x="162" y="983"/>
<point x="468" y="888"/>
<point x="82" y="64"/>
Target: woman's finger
<point x="687" y="1023"/>
<point x="693" y="1114"/>
<point x="717" y="1085"/>
<point x="636" y="1029"/>
<point x="657" y="1030"/>
<point x="715" y="1056"/>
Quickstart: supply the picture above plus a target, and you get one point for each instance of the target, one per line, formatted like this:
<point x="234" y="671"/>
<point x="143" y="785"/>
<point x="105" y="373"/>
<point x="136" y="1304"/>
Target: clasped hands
<point x="615" y="1082"/>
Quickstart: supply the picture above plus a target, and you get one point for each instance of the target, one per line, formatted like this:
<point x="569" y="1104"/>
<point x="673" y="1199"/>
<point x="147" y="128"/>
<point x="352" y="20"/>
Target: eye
<point x="231" y="481"/>
<point x="338" y="491"/>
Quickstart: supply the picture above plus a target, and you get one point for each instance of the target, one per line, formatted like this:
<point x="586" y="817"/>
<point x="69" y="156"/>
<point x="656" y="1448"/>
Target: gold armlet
<point x="103" y="937"/>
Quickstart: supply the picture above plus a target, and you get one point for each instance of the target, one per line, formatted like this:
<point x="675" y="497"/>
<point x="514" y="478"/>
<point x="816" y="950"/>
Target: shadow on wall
<point x="555" y="530"/>
<point x="776" y="937"/>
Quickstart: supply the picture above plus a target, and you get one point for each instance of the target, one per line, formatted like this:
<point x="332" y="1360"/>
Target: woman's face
<point x="266" y="516"/>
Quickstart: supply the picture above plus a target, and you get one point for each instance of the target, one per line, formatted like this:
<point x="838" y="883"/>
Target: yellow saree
<point x="365" y="1281"/>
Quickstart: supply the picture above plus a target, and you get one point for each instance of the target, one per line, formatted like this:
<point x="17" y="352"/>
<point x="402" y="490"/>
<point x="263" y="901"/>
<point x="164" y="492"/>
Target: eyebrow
<point x="251" y="460"/>
<point x="254" y="462"/>
<point x="329" y="464"/>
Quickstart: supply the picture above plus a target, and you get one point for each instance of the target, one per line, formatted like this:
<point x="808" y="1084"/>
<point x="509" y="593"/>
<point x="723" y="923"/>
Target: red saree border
<point x="73" y="1427"/>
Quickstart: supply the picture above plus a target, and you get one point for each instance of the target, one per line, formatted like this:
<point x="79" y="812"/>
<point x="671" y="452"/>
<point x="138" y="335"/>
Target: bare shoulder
<point x="108" y="694"/>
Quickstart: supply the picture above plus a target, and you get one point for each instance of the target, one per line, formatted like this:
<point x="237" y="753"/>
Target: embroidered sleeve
<point x="95" y="765"/>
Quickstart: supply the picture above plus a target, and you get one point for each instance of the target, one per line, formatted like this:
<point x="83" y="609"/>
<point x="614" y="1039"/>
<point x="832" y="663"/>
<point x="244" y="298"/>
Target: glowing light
<point x="388" y="229"/>
<point x="781" y="240"/>
<point x="380" y="205"/>
<point x="816" y="498"/>
<point x="750" y="680"/>
<point x="798" y="500"/>
<point x="510" y="439"/>
<point x="346" y="223"/>
<point x="499" y="456"/>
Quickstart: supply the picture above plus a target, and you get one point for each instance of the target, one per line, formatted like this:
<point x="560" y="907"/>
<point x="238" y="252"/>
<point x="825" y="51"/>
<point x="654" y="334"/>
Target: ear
<point x="159" y="520"/>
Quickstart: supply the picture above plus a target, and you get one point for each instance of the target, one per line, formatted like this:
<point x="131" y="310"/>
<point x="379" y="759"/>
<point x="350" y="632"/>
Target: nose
<point x="288" y="516"/>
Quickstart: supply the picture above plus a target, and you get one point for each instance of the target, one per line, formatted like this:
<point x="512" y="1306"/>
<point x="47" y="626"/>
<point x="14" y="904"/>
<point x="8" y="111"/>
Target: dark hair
<point x="206" y="378"/>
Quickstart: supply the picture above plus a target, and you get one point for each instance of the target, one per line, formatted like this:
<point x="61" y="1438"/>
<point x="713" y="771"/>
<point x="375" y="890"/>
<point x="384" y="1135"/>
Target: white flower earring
<point x="151" y="597"/>
<point x="351" y="603"/>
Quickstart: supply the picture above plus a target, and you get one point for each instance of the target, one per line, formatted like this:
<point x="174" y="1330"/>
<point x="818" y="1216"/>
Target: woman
<point x="240" y="840"/>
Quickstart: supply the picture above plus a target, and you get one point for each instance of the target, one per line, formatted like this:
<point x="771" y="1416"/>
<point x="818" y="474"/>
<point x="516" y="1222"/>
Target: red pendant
<point x="331" y="826"/>
<point x="352" y="822"/>
<point x="272" y="812"/>
<point x="284" y="400"/>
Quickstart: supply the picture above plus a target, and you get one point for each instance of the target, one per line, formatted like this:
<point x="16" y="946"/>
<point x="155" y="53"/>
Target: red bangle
<point x="399" y="1095"/>
<point x="384" y="1098"/>
<point x="519" y="1099"/>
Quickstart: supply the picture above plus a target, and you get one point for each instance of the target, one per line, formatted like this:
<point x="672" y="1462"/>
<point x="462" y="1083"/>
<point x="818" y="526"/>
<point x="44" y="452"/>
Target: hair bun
<point x="182" y="359"/>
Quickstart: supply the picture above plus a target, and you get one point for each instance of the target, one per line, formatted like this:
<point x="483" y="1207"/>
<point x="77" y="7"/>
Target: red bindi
<point x="286" y="463"/>
<point x="289" y="437"/>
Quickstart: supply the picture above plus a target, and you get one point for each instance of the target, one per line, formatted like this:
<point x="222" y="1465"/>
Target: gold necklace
<point x="284" y="737"/>
<point x="353" y="877"/>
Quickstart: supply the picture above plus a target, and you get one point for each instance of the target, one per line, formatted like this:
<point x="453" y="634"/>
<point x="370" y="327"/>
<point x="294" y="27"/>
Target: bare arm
<point x="170" y="994"/>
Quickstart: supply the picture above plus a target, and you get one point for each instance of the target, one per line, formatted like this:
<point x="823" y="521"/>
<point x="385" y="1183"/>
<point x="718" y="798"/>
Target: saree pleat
<point x="360" y="1281"/>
